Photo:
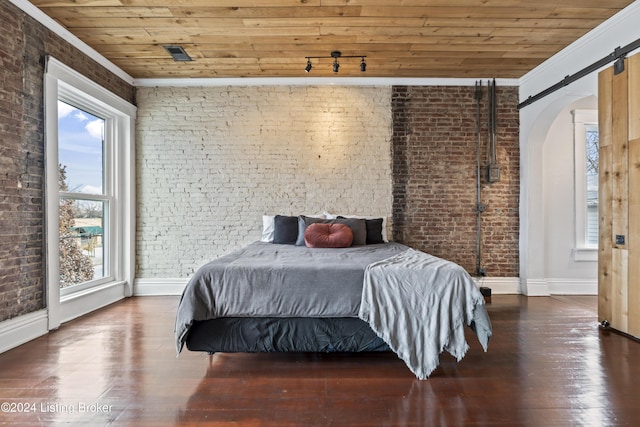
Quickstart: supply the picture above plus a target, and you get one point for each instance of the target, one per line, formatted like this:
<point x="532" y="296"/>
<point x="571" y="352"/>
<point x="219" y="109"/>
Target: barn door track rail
<point x="617" y="55"/>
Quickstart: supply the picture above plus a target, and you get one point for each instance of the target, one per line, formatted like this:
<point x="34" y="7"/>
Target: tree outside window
<point x="592" y="147"/>
<point x="75" y="266"/>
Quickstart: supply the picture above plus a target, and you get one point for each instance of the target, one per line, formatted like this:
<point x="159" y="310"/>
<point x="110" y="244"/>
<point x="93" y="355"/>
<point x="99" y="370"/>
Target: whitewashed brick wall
<point x="212" y="160"/>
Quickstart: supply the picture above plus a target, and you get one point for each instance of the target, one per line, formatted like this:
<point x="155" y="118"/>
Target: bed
<point x="286" y="294"/>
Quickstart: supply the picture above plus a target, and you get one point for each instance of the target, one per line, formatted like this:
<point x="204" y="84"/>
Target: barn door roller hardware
<point x="617" y="55"/>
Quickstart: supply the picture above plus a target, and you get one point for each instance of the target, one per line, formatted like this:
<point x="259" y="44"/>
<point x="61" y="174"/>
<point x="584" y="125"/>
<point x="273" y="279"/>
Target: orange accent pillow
<point x="319" y="235"/>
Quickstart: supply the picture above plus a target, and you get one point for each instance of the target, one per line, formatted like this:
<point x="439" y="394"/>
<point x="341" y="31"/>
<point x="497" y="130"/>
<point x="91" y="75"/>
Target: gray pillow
<point x="374" y="230"/>
<point x="285" y="229"/>
<point x="357" y="225"/>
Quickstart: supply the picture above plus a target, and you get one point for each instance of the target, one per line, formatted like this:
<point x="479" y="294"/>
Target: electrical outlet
<point x="493" y="173"/>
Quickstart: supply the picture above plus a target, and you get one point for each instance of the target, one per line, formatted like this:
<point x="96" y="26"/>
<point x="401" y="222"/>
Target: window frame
<point x="582" y="120"/>
<point x="65" y="84"/>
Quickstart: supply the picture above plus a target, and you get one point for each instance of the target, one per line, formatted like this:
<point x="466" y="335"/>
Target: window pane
<point x="80" y="149"/>
<point x="592" y="184"/>
<point x="82" y="241"/>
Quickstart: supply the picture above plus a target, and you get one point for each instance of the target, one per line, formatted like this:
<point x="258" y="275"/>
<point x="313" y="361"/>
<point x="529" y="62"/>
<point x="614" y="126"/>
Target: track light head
<point x="363" y="65"/>
<point x="335" y="55"/>
<point x="309" y="66"/>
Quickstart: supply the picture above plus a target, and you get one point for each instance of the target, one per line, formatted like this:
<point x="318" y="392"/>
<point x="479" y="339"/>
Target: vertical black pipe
<point x="479" y="206"/>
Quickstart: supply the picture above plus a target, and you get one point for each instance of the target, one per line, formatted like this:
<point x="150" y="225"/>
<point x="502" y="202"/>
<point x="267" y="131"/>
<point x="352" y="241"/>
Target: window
<point x="586" y="184"/>
<point x="592" y="147"/>
<point x="89" y="194"/>
<point x="84" y="198"/>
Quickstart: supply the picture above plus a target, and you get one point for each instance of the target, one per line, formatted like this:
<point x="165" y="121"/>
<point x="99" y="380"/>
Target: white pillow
<point x="328" y="215"/>
<point x="267" y="228"/>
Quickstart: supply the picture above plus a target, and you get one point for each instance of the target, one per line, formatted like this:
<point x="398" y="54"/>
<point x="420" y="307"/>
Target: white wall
<point x="559" y="200"/>
<point x="537" y="275"/>
<point x="212" y="160"/>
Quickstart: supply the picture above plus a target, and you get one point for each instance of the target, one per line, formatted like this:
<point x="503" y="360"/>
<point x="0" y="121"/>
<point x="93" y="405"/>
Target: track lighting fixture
<point x="336" y="65"/>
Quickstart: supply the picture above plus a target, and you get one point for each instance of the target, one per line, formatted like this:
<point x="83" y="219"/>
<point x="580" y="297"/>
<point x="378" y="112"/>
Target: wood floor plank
<point x="547" y="361"/>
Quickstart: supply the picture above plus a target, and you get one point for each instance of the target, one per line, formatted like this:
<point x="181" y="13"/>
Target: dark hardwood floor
<point x="548" y="364"/>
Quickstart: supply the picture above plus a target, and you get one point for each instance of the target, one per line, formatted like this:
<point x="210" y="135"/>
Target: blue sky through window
<point x="80" y="148"/>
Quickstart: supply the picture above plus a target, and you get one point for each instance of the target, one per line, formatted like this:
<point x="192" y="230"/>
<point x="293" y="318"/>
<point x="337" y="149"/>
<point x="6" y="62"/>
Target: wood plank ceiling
<point x="271" y="38"/>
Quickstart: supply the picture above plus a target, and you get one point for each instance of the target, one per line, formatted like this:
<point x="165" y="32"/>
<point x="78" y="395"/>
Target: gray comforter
<point x="419" y="305"/>
<point x="271" y="280"/>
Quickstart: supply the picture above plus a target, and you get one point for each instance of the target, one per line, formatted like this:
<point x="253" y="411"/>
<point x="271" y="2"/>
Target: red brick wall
<point x="434" y="170"/>
<point x="23" y="46"/>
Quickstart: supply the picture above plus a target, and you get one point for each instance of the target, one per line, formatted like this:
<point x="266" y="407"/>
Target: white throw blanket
<point x="419" y="304"/>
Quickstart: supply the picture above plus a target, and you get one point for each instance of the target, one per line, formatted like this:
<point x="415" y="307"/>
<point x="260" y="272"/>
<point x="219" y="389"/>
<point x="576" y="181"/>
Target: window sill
<point x="585" y="254"/>
<point x="85" y="301"/>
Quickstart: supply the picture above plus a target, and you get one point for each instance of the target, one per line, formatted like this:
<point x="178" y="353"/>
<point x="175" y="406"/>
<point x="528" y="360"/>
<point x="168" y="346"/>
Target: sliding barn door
<point x="619" y="204"/>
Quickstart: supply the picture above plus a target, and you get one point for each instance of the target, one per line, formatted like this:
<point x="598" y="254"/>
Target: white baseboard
<point x="19" y="330"/>
<point x="159" y="286"/>
<point x="554" y="286"/>
<point x="534" y="287"/>
<point x="175" y="286"/>
<point x="500" y="285"/>
<point x="573" y="286"/>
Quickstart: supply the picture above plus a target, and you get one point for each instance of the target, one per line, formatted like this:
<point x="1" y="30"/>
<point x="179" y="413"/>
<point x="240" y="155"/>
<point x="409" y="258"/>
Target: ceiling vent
<point x="178" y="53"/>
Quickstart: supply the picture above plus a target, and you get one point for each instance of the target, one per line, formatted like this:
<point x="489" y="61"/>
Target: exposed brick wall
<point x="434" y="176"/>
<point x="23" y="45"/>
<point x="212" y="161"/>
